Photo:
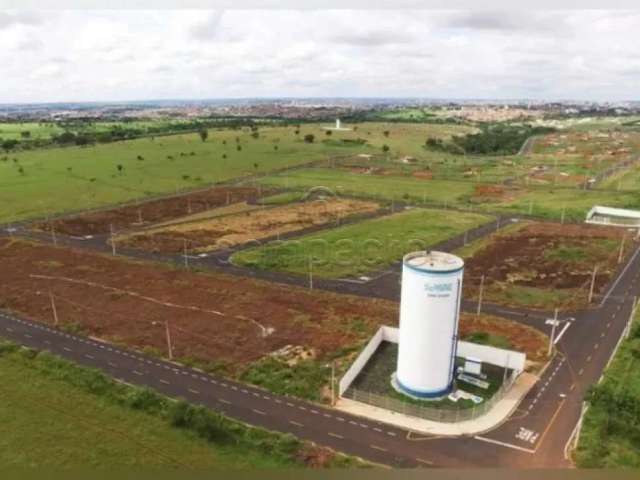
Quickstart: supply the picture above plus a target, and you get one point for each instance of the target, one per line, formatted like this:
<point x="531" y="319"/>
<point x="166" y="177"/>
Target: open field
<point x="610" y="435"/>
<point x="114" y="425"/>
<point x="543" y="266"/>
<point x="250" y="226"/>
<point x="119" y="171"/>
<point x="546" y="202"/>
<point x="14" y="130"/>
<point x="147" y="213"/>
<point x="374" y="186"/>
<point x="48" y="423"/>
<point x="222" y="322"/>
<point x="363" y="247"/>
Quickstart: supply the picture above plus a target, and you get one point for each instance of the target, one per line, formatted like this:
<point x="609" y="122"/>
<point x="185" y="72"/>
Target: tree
<point x="385" y="148"/>
<point x="386" y="133"/>
<point x="25" y="134"/>
<point x="309" y="138"/>
<point x="255" y="165"/>
<point x="119" y="167"/>
<point x="9" y="144"/>
<point x="204" y="134"/>
<point x="239" y="147"/>
<point x="21" y="170"/>
<point x="328" y="132"/>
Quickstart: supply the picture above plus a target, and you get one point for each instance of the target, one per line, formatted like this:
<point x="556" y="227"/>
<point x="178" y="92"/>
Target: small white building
<point x="615" y="217"/>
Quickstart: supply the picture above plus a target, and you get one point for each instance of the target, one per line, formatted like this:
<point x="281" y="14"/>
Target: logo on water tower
<point x="439" y="289"/>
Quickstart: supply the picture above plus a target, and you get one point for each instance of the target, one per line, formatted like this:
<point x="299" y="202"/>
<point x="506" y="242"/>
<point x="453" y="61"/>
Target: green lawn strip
<point x="57" y="414"/>
<point x="610" y="435"/>
<point x="373" y="186"/>
<point x="363" y="247"/>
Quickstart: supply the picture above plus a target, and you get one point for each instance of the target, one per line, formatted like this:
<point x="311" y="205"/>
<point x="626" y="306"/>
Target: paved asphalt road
<point x="536" y="434"/>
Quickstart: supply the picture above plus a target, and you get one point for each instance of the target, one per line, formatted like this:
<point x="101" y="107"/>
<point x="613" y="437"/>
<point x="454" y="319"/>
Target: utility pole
<point x="186" y="258"/>
<point x="621" y="249"/>
<point x="553" y="332"/>
<point x="139" y="215"/>
<point x="113" y="242"/>
<point x="480" y="296"/>
<point x="169" y="346"/>
<point x="593" y="283"/>
<point x="466" y="233"/>
<point x="333" y="383"/>
<point x="53" y="235"/>
<point x="53" y="308"/>
<point x="627" y="329"/>
<point x="189" y="205"/>
<point x="497" y="224"/>
<point x="310" y="272"/>
<point x="228" y="198"/>
<point x="562" y="215"/>
<point x="530" y="207"/>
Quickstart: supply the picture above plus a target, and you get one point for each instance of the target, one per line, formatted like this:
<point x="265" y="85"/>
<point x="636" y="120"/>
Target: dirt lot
<point x="230" y="230"/>
<point x="520" y="266"/>
<point x="150" y="212"/>
<point x="215" y="318"/>
<point x="212" y="317"/>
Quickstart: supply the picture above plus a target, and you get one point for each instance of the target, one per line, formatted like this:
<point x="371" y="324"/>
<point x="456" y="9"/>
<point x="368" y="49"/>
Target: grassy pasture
<point x="363" y="247"/>
<point x="49" y="423"/>
<point x="610" y="435"/>
<point x="53" y="180"/>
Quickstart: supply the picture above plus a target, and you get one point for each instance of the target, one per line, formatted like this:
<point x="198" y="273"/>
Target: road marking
<point x="138" y="373"/>
<point x="194" y="391"/>
<point x="504" y="444"/>
<point x="595" y="347"/>
<point x="376" y="447"/>
<point x="297" y="424"/>
<point x="27" y="335"/>
<point x="224" y="401"/>
<point x="259" y="412"/>
<point x="422" y="460"/>
<point x="391" y="433"/>
<point x="164" y="381"/>
<point x="67" y="349"/>
<point x="289" y="404"/>
<point x="589" y="358"/>
<point x="335" y="435"/>
<point x="111" y="364"/>
<point x="90" y="357"/>
<point x="567" y="325"/>
<point x="581" y="371"/>
<point x="377" y="429"/>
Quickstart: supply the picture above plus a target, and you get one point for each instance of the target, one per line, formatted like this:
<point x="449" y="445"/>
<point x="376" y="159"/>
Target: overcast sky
<point x="128" y="55"/>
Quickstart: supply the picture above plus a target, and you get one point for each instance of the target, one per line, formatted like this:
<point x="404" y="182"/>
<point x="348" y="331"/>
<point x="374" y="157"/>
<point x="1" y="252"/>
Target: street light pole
<point x="553" y="332"/>
<point x="480" y="296"/>
<point x="169" y="346"/>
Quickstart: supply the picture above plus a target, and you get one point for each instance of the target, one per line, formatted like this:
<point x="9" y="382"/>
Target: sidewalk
<point x="490" y="420"/>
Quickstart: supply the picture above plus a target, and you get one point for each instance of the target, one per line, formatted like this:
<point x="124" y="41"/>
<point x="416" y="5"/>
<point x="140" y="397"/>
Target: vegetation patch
<point x="363" y="247"/>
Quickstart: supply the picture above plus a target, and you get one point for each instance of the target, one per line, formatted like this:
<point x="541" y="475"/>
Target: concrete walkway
<point x="490" y="420"/>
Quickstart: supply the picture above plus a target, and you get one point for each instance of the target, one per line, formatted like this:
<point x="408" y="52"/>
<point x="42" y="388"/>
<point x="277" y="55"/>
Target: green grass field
<point x="373" y="186"/>
<point x="362" y="247"/>
<point x="54" y="180"/>
<point x="13" y="130"/>
<point x="610" y="436"/>
<point x="48" y="423"/>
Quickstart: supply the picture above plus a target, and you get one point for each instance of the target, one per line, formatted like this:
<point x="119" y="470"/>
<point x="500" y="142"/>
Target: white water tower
<point x="429" y="314"/>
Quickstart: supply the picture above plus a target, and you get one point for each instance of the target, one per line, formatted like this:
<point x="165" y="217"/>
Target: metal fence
<point x="446" y="415"/>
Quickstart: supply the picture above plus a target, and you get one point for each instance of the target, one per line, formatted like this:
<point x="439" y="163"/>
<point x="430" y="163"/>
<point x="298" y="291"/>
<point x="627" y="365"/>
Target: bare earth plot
<point x="154" y="211"/>
<point x="231" y="230"/>
<point x="544" y="266"/>
<point x="218" y="321"/>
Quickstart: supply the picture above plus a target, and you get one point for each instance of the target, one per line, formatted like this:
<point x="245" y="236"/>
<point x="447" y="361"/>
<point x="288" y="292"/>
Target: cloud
<point x="119" y="55"/>
<point x="504" y="21"/>
<point x="10" y="19"/>
<point x="208" y="29"/>
<point x="372" y="38"/>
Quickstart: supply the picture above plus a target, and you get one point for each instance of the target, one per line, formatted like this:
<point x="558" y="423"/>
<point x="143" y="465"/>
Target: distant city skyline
<point x="133" y="55"/>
